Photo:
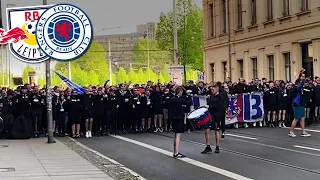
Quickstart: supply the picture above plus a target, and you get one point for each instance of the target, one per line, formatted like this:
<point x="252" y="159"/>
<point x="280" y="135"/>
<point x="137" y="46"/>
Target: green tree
<point x="157" y="57"/>
<point x="165" y="73"/>
<point x="190" y="33"/>
<point x="153" y="75"/>
<point x="161" y="78"/>
<point x="114" y="79"/>
<point x="192" y="75"/>
<point x="122" y="76"/>
<point x="80" y="76"/>
<point x="93" y="78"/>
<point x="95" y="59"/>
<point x="42" y="81"/>
<point x="25" y="74"/>
<point x="133" y="77"/>
<point x="142" y="78"/>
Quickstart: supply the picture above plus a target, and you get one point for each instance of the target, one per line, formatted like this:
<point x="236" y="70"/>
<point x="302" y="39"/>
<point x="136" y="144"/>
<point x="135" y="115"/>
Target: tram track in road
<point x="317" y="172"/>
<point x="271" y="138"/>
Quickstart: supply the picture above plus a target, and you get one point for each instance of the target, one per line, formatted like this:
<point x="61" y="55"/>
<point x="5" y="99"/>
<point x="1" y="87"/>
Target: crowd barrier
<point x="242" y="107"/>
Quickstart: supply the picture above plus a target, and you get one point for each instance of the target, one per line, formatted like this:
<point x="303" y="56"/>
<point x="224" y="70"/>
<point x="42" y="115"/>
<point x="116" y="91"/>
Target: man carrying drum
<point x="177" y="106"/>
<point x="215" y="104"/>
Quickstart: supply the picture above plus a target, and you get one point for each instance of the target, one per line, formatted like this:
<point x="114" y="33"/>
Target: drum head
<point x="1" y="124"/>
<point x="196" y="113"/>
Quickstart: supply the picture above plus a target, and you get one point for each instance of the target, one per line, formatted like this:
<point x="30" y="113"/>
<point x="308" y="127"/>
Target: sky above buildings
<point x="104" y="14"/>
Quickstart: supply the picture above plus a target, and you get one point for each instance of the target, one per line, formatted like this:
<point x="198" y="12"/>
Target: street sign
<point x="200" y="76"/>
<point x="113" y="58"/>
<point x="176" y="74"/>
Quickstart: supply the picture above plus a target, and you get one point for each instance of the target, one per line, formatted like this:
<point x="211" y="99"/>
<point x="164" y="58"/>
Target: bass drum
<point x="200" y="118"/>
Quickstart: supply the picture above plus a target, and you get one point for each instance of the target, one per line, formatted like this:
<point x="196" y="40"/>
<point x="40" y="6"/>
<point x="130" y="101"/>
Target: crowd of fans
<point x="141" y="108"/>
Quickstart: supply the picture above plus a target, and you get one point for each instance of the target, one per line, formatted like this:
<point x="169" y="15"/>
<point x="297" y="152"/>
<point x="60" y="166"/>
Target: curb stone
<point x="112" y="168"/>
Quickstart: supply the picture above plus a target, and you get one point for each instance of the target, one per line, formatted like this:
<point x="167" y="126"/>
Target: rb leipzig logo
<point x="21" y="35"/>
<point x="64" y="32"/>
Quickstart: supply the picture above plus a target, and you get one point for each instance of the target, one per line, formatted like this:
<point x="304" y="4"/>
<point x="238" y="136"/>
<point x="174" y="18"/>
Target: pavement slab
<point x="35" y="159"/>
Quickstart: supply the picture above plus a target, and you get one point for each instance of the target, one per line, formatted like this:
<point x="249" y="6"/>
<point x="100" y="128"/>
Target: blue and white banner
<point x="78" y="89"/>
<point x="242" y="108"/>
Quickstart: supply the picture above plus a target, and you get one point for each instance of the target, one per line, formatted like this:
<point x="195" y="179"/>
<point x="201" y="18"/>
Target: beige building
<point x="261" y="38"/>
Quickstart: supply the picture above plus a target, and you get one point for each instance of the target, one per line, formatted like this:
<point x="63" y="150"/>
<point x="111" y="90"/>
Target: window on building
<point x="225" y="70"/>
<point x="239" y="11"/>
<point x="286" y="8"/>
<point x="269" y="10"/>
<point x="210" y="20"/>
<point x="287" y="66"/>
<point x="240" y="65"/>
<point x="304" y="5"/>
<point x="253" y="12"/>
<point x="254" y="68"/>
<point x="271" y="67"/>
<point x="212" y="72"/>
<point x="224" y="16"/>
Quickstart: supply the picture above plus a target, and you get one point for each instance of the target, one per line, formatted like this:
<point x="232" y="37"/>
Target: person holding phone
<point x="298" y="105"/>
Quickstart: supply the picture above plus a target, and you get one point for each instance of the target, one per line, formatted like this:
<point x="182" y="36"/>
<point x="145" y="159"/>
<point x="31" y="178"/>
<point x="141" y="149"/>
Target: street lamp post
<point x="110" y="64"/>
<point x="49" y="98"/>
<point x="148" y="52"/>
<point x="8" y="56"/>
<point x="109" y="53"/>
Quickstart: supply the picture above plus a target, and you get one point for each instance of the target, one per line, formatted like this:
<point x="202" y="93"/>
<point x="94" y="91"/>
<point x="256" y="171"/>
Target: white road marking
<point x="276" y="147"/>
<point x="187" y="160"/>
<point x="244" y="137"/>
<point x="311" y="130"/>
<point x="109" y="159"/>
<point x="304" y="147"/>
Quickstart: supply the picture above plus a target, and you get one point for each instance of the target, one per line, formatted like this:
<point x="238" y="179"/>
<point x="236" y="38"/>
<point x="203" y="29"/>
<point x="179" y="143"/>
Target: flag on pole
<point x="78" y="89"/>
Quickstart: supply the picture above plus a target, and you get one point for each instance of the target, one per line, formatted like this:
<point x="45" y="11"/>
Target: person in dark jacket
<point x="166" y="97"/>
<point x="316" y="95"/>
<point x="298" y="104"/>
<point x="282" y="104"/>
<point x="215" y="103"/>
<point x="146" y="107"/>
<point x="224" y="94"/>
<point x="177" y="107"/>
<point x="88" y="104"/>
<point x="74" y="112"/>
<point x="270" y="96"/>
<point x="61" y="116"/>
<point x="157" y="109"/>
<point x="123" y="98"/>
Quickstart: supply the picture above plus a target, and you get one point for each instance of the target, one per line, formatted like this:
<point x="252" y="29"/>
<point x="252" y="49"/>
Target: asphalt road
<point x="254" y="153"/>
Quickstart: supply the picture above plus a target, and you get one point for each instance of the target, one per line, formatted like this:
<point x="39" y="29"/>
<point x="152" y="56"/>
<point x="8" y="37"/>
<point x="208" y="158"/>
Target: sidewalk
<point x="34" y="159"/>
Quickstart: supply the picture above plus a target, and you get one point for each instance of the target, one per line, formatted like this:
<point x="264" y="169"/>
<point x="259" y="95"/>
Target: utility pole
<point x="69" y="70"/>
<point x="49" y="98"/>
<point x="175" y="34"/>
<point x="110" y="64"/>
<point x="148" y="52"/>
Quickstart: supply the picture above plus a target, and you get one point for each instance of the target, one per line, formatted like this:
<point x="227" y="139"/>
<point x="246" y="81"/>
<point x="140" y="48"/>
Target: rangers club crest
<point x="21" y="34"/>
<point x="64" y="32"/>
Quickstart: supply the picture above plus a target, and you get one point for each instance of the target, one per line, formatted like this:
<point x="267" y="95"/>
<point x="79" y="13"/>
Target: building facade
<point x="261" y="38"/>
<point x="149" y="28"/>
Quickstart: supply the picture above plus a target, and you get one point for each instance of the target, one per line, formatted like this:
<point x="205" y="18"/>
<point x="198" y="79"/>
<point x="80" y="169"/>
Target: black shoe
<point x="217" y="150"/>
<point x="207" y="150"/>
<point x="179" y="155"/>
<point x="222" y="135"/>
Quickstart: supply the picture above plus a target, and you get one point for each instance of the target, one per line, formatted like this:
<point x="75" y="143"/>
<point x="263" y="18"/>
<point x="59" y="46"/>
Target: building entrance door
<point x="307" y="59"/>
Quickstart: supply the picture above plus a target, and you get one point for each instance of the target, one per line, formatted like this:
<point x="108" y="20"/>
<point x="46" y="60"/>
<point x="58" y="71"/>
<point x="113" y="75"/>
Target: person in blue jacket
<point x="298" y="106"/>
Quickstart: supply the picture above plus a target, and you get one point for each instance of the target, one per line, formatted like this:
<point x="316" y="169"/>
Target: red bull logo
<point x="21" y="36"/>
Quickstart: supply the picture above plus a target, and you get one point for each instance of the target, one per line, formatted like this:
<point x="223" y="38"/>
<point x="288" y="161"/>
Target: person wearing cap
<point x="177" y="108"/>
